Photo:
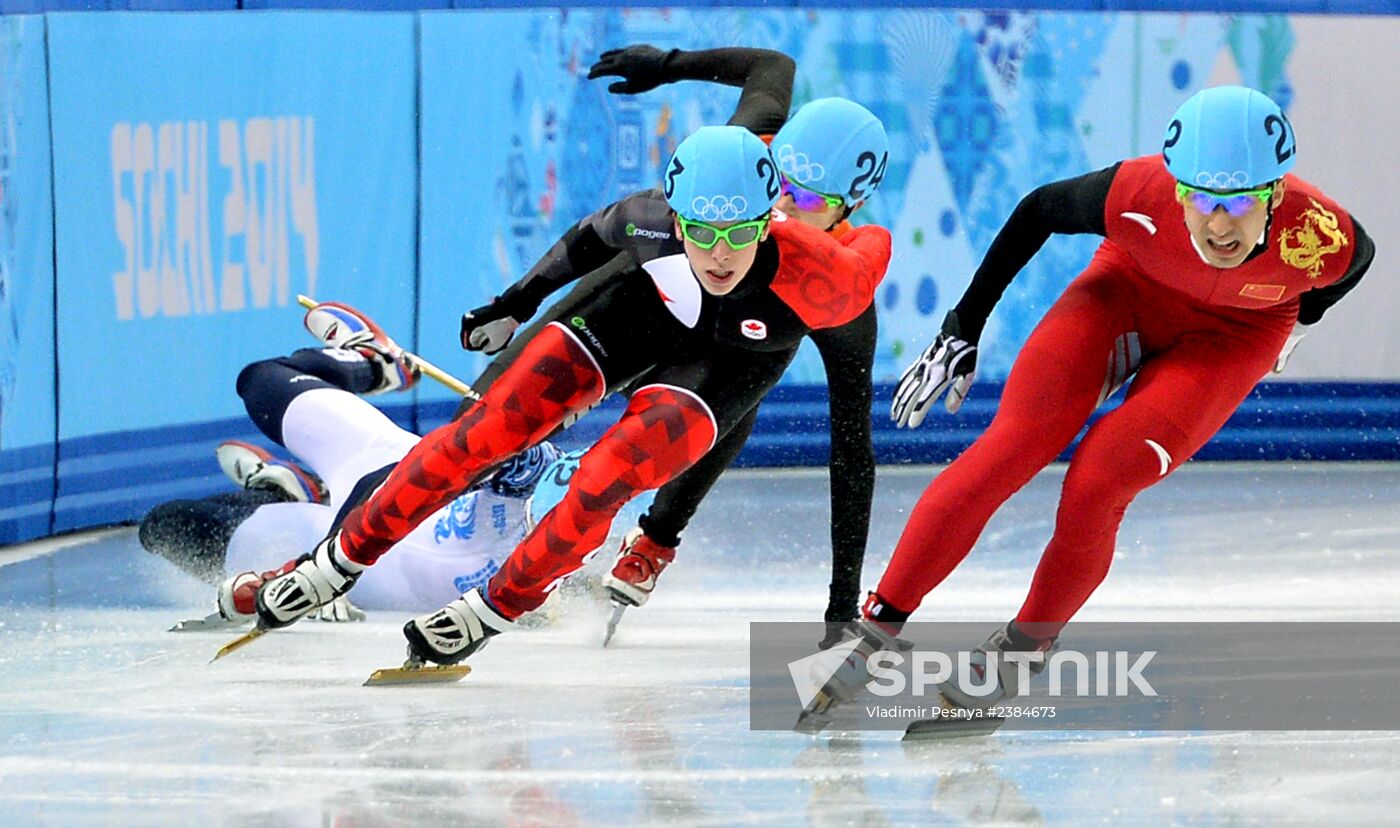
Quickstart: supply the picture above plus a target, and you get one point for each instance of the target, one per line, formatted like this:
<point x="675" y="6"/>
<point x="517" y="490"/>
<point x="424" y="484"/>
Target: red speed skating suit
<point x="1200" y="337"/>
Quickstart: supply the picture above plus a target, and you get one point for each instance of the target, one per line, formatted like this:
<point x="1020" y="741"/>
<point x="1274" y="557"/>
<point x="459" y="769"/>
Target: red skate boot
<point x="639" y="563"/>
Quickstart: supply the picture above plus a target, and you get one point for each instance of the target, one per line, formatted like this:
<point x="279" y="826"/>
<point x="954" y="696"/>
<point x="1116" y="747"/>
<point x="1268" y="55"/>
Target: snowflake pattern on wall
<point x="1001" y="101"/>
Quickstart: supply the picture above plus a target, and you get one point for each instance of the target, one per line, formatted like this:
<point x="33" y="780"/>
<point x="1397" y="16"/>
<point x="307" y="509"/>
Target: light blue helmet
<point x="721" y="173"/>
<point x="834" y="146"/>
<point x="519" y="475"/>
<point x="1229" y="138"/>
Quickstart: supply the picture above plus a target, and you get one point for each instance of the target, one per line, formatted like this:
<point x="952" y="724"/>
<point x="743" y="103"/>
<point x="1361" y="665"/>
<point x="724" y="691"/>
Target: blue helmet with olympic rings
<point x="1229" y="138"/>
<point x="721" y="173"/>
<point x="551" y="485"/>
<point x="519" y="475"/>
<point x="834" y="146"/>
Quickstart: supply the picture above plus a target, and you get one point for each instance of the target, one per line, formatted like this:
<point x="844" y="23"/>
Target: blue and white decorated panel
<point x="982" y="107"/>
<point x="210" y="168"/>
<point x="485" y="153"/>
<point x="26" y="284"/>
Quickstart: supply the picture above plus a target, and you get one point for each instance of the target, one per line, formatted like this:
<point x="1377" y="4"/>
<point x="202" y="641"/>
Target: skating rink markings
<point x="106" y="719"/>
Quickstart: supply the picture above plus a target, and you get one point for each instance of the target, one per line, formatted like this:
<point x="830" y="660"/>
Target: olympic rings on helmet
<point x="799" y="166"/>
<point x="719" y="208"/>
<point x="1237" y="180"/>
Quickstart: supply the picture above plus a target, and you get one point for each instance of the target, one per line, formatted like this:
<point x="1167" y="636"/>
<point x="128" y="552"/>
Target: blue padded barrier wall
<point x="27" y="448"/>
<point x="40" y="6"/>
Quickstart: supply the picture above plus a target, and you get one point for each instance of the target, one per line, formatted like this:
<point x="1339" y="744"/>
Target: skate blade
<point x="425" y="674"/>
<point x="951" y="727"/>
<point x="618" y="610"/>
<point x="239" y="642"/>
<point x="816" y="716"/>
<point x="208" y="623"/>
<point x="812" y="722"/>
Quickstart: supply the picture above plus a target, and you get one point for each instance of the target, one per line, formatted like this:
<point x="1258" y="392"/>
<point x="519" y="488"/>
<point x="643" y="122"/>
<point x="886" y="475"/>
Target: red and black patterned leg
<point x="553" y="377"/>
<point x="663" y="432"/>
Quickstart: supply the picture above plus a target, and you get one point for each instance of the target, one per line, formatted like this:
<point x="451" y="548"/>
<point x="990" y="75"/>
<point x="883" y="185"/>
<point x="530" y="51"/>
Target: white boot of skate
<point x="317" y="580"/>
<point x="455" y="631"/>
<point x="237" y="599"/>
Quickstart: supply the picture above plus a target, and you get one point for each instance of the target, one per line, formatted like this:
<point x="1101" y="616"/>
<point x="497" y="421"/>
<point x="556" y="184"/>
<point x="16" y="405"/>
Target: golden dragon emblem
<point x="1303" y="247"/>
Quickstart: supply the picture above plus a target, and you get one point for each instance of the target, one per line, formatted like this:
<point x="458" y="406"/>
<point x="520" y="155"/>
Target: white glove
<point x="1299" y="331"/>
<point x="948" y="364"/>
<point x="338" y="611"/>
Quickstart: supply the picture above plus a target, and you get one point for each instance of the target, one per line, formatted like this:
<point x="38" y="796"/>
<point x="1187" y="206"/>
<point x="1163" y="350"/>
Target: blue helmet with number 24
<point x="721" y="174"/>
<point x="1229" y="138"/>
<point x="834" y="146"/>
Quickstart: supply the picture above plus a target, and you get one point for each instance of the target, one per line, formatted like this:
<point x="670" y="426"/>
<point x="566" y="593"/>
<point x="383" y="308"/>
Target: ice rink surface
<point x="107" y="719"/>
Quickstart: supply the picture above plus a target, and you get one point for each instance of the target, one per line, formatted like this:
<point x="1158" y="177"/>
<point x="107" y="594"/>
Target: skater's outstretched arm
<point x="1071" y="206"/>
<point x="829" y="282"/>
<point x="848" y="354"/>
<point x="948" y="365"/>
<point x="765" y="77"/>
<point x="586" y="247"/>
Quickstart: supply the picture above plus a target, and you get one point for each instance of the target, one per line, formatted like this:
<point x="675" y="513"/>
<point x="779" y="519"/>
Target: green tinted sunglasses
<point x="1237" y="203"/>
<point x="737" y="236"/>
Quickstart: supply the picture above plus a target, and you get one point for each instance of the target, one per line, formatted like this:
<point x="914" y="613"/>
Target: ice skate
<point x="213" y="622"/>
<point x="417" y="671"/>
<point x="234" y="604"/>
<point x="953" y="721"/>
<point x="640" y="561"/>
<point x="341" y="326"/>
<point x="999" y="657"/>
<point x="996" y="679"/>
<point x="317" y="579"/>
<point x="251" y="467"/>
<point x="455" y="631"/>
<point x="862" y="640"/>
<point x="308" y="585"/>
<point x="439" y="641"/>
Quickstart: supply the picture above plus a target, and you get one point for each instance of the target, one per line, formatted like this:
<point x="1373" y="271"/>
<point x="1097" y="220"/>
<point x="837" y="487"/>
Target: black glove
<point x="641" y="68"/>
<point x="488" y="328"/>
